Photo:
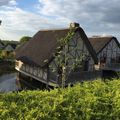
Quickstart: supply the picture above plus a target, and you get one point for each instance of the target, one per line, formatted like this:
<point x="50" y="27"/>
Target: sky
<point x="26" y="17"/>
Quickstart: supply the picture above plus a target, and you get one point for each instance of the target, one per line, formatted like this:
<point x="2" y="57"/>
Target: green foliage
<point x="25" y="39"/>
<point x="66" y="64"/>
<point x="96" y="100"/>
<point x="6" y="56"/>
<point x="6" y="42"/>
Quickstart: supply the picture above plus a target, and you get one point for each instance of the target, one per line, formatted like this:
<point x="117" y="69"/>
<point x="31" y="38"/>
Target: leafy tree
<point x="66" y="68"/>
<point x="24" y="39"/>
<point x="62" y="57"/>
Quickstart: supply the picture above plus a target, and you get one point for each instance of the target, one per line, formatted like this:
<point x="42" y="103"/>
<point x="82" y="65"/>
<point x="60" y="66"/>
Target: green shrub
<point x="96" y="100"/>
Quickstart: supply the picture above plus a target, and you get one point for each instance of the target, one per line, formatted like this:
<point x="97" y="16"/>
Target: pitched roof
<point x="13" y="45"/>
<point x="1" y="43"/>
<point x="99" y="43"/>
<point x="44" y="44"/>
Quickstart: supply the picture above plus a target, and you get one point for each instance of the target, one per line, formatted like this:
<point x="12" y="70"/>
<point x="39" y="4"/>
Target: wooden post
<point x="18" y="76"/>
<point x="47" y="84"/>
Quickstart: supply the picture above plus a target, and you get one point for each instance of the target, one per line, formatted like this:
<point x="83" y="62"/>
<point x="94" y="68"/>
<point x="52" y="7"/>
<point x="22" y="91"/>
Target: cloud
<point x="4" y="2"/>
<point x="13" y="2"/>
<point x="17" y="23"/>
<point x="95" y="16"/>
<point x="7" y="2"/>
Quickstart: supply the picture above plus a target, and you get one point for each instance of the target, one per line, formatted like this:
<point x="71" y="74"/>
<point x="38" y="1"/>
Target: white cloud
<point x="95" y="16"/>
<point x="17" y="23"/>
<point x="4" y="2"/>
<point x="7" y="2"/>
<point x="13" y="2"/>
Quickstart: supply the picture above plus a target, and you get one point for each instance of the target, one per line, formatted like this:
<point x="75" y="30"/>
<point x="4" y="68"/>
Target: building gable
<point x="9" y="48"/>
<point x="77" y="49"/>
<point x="111" y="50"/>
<point x="111" y="44"/>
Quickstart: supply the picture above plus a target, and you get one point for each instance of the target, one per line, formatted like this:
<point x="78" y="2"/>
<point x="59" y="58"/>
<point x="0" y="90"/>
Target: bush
<point x="96" y="100"/>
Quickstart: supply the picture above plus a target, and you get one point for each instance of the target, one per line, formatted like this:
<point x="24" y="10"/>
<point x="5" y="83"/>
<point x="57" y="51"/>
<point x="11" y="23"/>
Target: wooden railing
<point x="111" y="66"/>
<point x="36" y="73"/>
<point x="83" y="75"/>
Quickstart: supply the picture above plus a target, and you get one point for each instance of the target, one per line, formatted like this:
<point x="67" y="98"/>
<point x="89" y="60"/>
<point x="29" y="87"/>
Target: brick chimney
<point x="74" y="25"/>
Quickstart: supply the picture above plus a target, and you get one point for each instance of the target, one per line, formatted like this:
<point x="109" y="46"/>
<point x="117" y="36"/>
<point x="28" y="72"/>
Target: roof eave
<point x="88" y="44"/>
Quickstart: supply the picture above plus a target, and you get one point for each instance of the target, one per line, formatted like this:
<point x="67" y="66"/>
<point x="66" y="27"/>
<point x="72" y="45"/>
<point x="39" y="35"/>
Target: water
<point x="8" y="83"/>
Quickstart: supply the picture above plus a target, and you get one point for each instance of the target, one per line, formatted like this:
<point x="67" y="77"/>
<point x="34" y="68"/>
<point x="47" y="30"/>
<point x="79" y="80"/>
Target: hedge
<point x="96" y="100"/>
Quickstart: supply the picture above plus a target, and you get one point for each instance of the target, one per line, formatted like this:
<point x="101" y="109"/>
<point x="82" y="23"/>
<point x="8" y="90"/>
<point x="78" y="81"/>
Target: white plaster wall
<point x="36" y="71"/>
<point x="91" y="64"/>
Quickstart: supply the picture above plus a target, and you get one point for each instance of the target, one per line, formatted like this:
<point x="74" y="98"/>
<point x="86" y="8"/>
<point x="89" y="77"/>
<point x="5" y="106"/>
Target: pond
<point x="8" y="83"/>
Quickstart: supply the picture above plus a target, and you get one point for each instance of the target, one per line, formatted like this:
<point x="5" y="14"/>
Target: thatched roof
<point x="99" y="43"/>
<point x="10" y="47"/>
<point x="13" y="45"/>
<point x="44" y="43"/>
<point x="1" y="44"/>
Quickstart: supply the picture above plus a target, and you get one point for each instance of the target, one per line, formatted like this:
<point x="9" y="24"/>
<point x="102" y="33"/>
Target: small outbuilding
<point x="108" y="52"/>
<point x="10" y="47"/>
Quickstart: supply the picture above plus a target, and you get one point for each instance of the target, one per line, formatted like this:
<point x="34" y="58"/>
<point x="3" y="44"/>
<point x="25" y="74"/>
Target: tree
<point x="62" y="58"/>
<point x="24" y="39"/>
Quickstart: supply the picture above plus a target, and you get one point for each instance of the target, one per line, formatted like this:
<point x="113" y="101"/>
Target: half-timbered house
<point x="30" y="58"/>
<point x="108" y="52"/>
<point x="10" y="47"/>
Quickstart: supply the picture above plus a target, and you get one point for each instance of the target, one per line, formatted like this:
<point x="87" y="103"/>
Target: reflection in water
<point x="31" y="84"/>
<point x="10" y="82"/>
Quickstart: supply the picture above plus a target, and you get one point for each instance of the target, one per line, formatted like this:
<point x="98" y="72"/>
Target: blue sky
<point x="26" y="17"/>
<point x="28" y="5"/>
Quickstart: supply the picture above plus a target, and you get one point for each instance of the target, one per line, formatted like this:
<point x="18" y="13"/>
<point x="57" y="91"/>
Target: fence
<point x="82" y="76"/>
<point x="111" y="66"/>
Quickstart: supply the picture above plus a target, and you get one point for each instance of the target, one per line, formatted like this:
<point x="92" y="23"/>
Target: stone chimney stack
<point x="74" y="25"/>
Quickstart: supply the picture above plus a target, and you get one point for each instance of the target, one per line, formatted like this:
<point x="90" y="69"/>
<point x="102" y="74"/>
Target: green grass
<point x="96" y="100"/>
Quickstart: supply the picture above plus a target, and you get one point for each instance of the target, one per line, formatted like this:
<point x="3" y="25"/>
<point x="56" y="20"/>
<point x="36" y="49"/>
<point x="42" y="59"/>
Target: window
<point x="102" y="59"/>
<point x="113" y="60"/>
<point x="86" y="65"/>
